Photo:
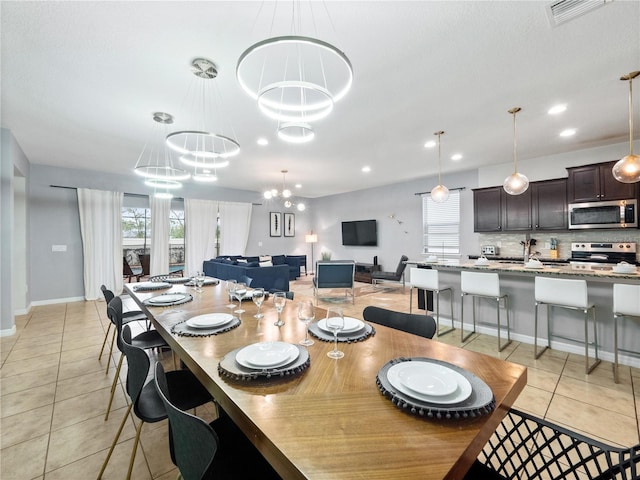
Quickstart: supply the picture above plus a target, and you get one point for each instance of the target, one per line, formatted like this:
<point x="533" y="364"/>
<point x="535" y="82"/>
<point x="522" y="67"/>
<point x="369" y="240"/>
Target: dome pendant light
<point x="627" y="169"/>
<point x="516" y="183"/>
<point x="439" y="193"/>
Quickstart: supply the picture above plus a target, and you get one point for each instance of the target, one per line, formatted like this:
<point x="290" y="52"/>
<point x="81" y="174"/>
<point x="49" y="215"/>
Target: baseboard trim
<point x="7" y="332"/>
<point x="53" y="301"/>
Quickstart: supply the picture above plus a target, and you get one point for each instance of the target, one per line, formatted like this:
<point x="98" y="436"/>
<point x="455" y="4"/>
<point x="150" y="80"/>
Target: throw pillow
<point x="242" y="260"/>
<point x="264" y="258"/>
<point x="277" y="259"/>
<point x="268" y="263"/>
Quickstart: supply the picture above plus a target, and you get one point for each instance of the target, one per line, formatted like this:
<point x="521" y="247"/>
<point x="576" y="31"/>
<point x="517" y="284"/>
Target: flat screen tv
<point x="363" y="233"/>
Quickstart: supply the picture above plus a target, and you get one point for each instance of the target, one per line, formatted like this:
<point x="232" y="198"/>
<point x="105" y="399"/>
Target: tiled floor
<point x="54" y="393"/>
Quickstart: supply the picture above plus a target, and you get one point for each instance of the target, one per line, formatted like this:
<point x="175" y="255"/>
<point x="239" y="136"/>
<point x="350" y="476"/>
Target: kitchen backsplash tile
<point x="509" y="243"/>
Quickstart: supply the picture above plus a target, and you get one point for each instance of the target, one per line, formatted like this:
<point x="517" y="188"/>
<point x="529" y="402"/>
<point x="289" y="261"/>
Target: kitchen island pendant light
<point x="439" y="193"/>
<point x="516" y="183"/>
<point x="627" y="169"/>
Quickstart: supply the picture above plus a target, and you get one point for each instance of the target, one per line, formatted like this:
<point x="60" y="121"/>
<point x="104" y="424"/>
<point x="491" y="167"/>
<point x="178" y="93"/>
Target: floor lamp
<point x="311" y="238"/>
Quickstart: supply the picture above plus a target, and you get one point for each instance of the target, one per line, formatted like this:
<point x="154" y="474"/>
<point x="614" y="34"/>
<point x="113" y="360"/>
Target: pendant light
<point x="439" y="193"/>
<point x="627" y="169"/>
<point x="516" y="183"/>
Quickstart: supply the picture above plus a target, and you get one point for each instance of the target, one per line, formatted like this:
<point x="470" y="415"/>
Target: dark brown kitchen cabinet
<point x="487" y="209"/>
<point x="592" y="183"/>
<point x="542" y="207"/>
<point x="549" y="204"/>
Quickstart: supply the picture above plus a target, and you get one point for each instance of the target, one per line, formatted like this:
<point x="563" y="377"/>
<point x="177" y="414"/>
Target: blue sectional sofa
<point x="271" y="278"/>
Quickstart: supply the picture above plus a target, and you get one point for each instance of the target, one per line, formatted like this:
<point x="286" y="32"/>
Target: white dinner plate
<point x="350" y="325"/>
<point x="429" y="379"/>
<point x="460" y="394"/>
<point x="164" y="299"/>
<point x="267" y="355"/>
<point x="209" y="320"/>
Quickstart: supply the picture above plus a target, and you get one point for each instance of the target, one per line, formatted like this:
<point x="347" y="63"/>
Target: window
<point x="176" y="235"/>
<point x="441" y="226"/>
<point x="136" y="232"/>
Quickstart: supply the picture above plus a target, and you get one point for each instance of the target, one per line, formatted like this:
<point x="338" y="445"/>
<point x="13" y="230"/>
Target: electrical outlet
<point x="259" y="244"/>
<point x="58" y="248"/>
<point x="547" y="245"/>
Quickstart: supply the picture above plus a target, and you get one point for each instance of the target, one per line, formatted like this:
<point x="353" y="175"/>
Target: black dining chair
<point x="127" y="316"/>
<point x="186" y="391"/>
<point x="146" y="340"/>
<point x="208" y="451"/>
<point x="422" y="325"/>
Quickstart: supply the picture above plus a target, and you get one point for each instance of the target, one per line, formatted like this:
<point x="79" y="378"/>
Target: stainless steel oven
<point x="611" y="214"/>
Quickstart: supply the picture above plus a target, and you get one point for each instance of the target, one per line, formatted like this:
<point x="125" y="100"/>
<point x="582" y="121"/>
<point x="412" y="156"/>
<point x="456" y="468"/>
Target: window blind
<point x="441" y="226"/>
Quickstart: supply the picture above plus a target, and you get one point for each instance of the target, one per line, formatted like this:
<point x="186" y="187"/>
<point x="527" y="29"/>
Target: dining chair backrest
<point x="194" y="443"/>
<point x="114" y="312"/>
<point x="108" y="294"/>
<point x="561" y="291"/>
<point x="424" y="326"/>
<point x="402" y="264"/>
<point x="480" y="283"/>
<point x="138" y="365"/>
<point x="425" y="278"/>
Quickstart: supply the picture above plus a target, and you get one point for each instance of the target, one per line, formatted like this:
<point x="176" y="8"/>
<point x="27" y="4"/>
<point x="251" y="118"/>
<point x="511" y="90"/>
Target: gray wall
<point x="399" y="235"/>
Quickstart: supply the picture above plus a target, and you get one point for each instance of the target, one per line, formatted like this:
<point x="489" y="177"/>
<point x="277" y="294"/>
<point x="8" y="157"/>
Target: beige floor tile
<point x="551" y="360"/>
<point x="25" y="460"/>
<point x="73" y="355"/>
<point x="29" y="365"/>
<point x="533" y="400"/>
<point x="82" y="367"/>
<point x="597" y="395"/>
<point x="602" y="375"/>
<point x="23" y="381"/>
<point x="82" y="407"/>
<point x="89" y="466"/>
<point x="28" y="352"/>
<point x="85" y="438"/>
<point x="25" y="426"/>
<point x="170" y="475"/>
<point x="618" y="428"/>
<point x="542" y="379"/>
<point x="489" y="346"/>
<point x="14" y="403"/>
<point x="93" y="340"/>
<point x="155" y="443"/>
<point x="33" y="342"/>
<point x="82" y="384"/>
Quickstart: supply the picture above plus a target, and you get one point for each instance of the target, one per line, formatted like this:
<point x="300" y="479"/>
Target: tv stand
<point x="364" y="270"/>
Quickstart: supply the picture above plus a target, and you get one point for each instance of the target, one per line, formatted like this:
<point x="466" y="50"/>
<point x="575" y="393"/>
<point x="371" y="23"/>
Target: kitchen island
<point x="517" y="281"/>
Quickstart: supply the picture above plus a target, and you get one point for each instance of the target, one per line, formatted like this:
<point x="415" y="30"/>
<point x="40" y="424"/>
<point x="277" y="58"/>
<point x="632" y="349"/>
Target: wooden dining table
<point x="330" y="421"/>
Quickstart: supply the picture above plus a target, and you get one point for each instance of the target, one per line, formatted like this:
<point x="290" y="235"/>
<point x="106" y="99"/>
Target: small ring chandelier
<point x="284" y="193"/>
<point x="200" y="147"/>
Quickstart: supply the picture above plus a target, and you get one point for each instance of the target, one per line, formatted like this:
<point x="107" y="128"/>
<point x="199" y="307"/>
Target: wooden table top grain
<point x="331" y="421"/>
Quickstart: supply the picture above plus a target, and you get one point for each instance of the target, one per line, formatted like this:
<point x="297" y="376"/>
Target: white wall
<point x="19" y="268"/>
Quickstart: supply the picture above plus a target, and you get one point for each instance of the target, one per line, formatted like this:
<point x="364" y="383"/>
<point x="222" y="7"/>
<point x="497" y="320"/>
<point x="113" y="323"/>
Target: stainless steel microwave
<point x="610" y="214"/>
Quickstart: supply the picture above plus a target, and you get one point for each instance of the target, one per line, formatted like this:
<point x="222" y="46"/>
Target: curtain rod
<point x="132" y="194"/>
<point x="456" y="188"/>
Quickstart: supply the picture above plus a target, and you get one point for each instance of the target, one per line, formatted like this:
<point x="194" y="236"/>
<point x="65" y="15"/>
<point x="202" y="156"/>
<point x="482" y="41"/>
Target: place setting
<point x="206" y="325"/>
<point x="347" y="330"/>
<point x="434" y="389"/>
<point x="265" y="360"/>
<point x="150" y="286"/>
<point x="200" y="280"/>
<point x="168" y="299"/>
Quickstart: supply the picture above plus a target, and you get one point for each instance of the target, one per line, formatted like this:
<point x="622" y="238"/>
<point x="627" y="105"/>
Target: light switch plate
<point x="58" y="248"/>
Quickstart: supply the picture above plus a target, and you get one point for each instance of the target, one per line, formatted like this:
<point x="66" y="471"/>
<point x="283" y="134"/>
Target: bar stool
<point x="483" y="285"/>
<point x="565" y="293"/>
<point x="428" y="280"/>
<point x="626" y="303"/>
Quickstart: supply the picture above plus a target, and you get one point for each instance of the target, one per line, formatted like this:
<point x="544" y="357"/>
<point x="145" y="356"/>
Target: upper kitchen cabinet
<point x="542" y="207"/>
<point x="487" y="209"/>
<point x="593" y="183"/>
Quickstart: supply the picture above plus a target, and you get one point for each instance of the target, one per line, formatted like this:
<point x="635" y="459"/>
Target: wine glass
<point x="258" y="298"/>
<point x="279" y="300"/>
<point x="231" y="290"/>
<point x="306" y="314"/>
<point x="199" y="281"/>
<point x="335" y="323"/>
<point x="240" y="292"/>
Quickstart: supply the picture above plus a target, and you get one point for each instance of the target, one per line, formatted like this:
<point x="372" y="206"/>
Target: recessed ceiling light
<point x="457" y="156"/>
<point x="568" y="132"/>
<point x="298" y="185"/>
<point x="430" y="144"/>
<point x="366" y="169"/>
<point x="263" y="141"/>
<point x="556" y="109"/>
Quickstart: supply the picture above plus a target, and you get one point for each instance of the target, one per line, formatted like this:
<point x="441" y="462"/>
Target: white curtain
<point x="101" y="230"/>
<point x="200" y="220"/>
<point x="160" y="208"/>
<point x="235" y="221"/>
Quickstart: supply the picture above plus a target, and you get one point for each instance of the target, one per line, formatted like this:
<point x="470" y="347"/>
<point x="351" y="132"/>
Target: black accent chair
<point x="208" y="451"/>
<point x="397" y="276"/>
<point x="128" y="272"/>
<point x="335" y="274"/>
<point x="424" y="326"/>
<point x="186" y="391"/>
<point x="525" y="446"/>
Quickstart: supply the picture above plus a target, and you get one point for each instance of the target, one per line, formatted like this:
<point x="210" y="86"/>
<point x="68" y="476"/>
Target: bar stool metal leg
<point x="437" y="292"/>
<point x="589" y="368"/>
<point x="615" y="348"/>
<point x="464" y="338"/>
<point x="535" y="332"/>
<point x="506" y="306"/>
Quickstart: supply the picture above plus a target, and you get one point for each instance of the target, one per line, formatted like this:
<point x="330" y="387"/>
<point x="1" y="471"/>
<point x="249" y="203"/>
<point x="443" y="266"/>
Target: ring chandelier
<point x="284" y="193"/>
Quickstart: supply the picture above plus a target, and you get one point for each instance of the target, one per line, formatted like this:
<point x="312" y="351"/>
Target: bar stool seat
<point x="429" y="280"/>
<point x="565" y="293"/>
<point x="483" y="285"/>
<point x="626" y="303"/>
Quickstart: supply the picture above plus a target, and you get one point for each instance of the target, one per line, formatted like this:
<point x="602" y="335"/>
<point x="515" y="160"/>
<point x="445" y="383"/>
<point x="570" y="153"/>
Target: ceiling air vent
<point x="562" y="11"/>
